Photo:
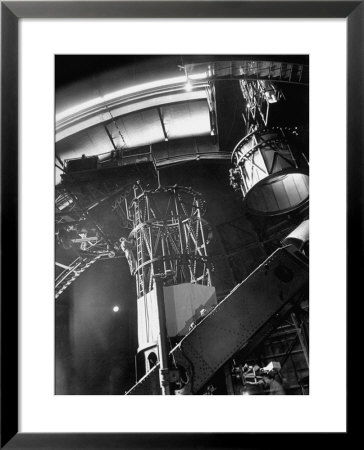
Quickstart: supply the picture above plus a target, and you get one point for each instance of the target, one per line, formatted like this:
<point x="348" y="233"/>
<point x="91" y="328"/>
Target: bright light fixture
<point x="115" y="308"/>
<point x="188" y="86"/>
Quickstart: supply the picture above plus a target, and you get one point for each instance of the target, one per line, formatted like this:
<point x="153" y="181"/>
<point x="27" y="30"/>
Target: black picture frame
<point x="11" y="12"/>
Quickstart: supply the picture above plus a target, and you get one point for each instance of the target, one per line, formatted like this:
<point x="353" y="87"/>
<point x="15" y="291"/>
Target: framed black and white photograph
<point x="190" y="175"/>
<point x="181" y="190"/>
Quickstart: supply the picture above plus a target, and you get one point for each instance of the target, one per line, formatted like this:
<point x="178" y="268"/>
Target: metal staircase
<point x="74" y="270"/>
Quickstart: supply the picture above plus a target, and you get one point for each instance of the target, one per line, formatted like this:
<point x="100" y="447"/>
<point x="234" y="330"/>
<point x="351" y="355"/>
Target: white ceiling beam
<point x="106" y="112"/>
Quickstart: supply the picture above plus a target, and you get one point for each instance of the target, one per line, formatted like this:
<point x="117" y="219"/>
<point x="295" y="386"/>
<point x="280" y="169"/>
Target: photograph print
<point x="181" y="225"/>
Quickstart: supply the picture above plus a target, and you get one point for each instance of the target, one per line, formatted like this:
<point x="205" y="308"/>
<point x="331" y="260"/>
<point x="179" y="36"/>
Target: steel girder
<point x="265" y="297"/>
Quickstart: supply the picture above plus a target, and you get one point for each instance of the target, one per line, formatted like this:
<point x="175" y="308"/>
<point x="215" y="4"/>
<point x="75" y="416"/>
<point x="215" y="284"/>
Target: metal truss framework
<point x="169" y="236"/>
<point x="287" y="345"/>
<point x="251" y="70"/>
<point x="258" y="95"/>
<point x="167" y="230"/>
<point x="77" y="229"/>
<point x="75" y="201"/>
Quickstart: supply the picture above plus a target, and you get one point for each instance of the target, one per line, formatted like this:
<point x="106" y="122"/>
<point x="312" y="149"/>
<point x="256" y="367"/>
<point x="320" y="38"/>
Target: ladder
<point x="139" y="249"/>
